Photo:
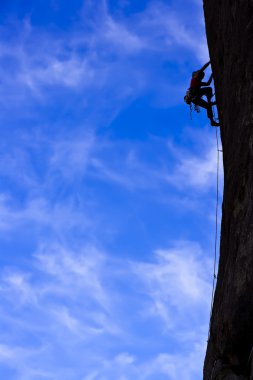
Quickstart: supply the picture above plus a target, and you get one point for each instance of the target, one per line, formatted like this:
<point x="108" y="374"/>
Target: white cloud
<point x="124" y="359"/>
<point x="186" y="366"/>
<point x="196" y="172"/>
<point x="67" y="320"/>
<point x="183" y="170"/>
<point x="6" y="352"/>
<point x="79" y="269"/>
<point x="122" y="38"/>
<point x="76" y="297"/>
<point x="17" y="284"/>
<point x="164" y="27"/>
<point x="71" y="157"/>
<point x="114" y="175"/>
<point x="75" y="161"/>
<point x="40" y="214"/>
<point x="178" y="284"/>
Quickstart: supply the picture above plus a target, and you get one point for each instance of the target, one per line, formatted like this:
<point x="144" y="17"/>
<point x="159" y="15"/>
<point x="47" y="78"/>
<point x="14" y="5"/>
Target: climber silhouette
<point x="198" y="89"/>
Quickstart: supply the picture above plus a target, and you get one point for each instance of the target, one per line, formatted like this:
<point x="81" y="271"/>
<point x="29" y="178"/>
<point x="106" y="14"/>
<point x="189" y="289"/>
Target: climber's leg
<point x="202" y="103"/>
<point x="206" y="91"/>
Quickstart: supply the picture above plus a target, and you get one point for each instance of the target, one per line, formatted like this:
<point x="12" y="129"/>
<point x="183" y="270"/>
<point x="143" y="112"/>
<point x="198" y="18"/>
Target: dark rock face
<point x="223" y="371"/>
<point x="229" y="27"/>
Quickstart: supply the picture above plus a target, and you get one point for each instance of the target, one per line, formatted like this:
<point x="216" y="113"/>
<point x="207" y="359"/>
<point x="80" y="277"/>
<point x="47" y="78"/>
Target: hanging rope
<point x="190" y="111"/>
<point x="216" y="230"/>
<point x="196" y="108"/>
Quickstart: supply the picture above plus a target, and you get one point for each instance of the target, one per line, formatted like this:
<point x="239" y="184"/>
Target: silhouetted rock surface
<point x="229" y="26"/>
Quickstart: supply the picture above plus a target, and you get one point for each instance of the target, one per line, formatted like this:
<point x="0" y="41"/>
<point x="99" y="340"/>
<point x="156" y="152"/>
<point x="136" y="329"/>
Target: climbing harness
<point x="216" y="231"/>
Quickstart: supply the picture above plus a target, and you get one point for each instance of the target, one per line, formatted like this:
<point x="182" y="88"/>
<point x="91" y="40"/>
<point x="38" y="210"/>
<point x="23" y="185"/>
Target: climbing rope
<point x="194" y="107"/>
<point x="216" y="230"/>
<point x="190" y="111"/>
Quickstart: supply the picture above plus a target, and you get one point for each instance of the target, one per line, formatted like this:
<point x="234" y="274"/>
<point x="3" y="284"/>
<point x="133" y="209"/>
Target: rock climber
<point x="198" y="89"/>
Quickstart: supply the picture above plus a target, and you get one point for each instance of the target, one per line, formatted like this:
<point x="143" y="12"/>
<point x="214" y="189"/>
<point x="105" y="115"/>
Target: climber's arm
<point x="205" y="66"/>
<point x="208" y="82"/>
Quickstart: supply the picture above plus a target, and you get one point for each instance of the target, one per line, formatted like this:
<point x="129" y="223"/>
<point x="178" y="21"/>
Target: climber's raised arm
<point x="208" y="82"/>
<point x="205" y="66"/>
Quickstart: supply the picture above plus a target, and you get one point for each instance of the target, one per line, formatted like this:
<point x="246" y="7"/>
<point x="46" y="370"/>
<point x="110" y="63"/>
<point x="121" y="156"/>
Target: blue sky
<point x="107" y="191"/>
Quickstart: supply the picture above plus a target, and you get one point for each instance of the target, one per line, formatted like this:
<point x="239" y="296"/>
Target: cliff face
<point x="229" y="27"/>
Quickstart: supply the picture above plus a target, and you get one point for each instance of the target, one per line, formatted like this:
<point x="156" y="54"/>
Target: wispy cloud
<point x="195" y="172"/>
<point x="74" y="297"/>
<point x="181" y="168"/>
<point x="95" y="55"/>
<point x="81" y="270"/>
<point x="59" y="197"/>
<point x="179" y="280"/>
<point x="72" y="157"/>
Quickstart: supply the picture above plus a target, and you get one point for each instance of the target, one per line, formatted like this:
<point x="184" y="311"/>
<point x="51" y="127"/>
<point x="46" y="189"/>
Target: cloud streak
<point x="78" y="300"/>
<point x="92" y="59"/>
<point x="177" y="281"/>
